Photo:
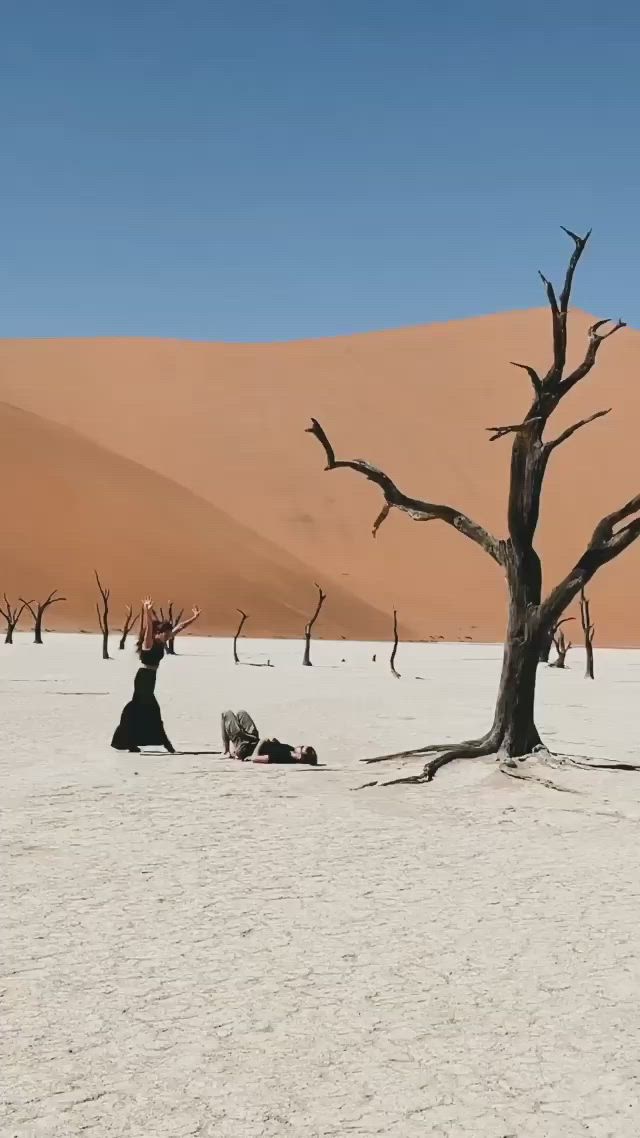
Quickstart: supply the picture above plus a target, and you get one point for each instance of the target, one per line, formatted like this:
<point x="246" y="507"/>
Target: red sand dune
<point x="183" y="468"/>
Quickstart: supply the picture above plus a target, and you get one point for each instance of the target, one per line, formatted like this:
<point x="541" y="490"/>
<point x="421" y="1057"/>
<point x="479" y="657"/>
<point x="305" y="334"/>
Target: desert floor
<point x="194" y="946"/>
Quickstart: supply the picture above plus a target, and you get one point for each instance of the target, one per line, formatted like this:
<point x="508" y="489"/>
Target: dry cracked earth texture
<point x="195" y="947"/>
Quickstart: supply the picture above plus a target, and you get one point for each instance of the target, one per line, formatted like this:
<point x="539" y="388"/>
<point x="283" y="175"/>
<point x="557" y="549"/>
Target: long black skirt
<point x="141" y="720"/>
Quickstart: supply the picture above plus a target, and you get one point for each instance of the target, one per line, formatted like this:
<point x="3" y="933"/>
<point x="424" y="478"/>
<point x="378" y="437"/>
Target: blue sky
<point x="259" y="170"/>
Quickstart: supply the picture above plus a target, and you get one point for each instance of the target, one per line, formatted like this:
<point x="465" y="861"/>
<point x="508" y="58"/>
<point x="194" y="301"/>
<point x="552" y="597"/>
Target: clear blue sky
<point x="258" y="169"/>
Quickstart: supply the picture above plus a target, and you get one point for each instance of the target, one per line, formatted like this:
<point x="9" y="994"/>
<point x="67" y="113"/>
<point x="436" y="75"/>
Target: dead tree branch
<point x="243" y="617"/>
<point x="416" y="509"/>
<point x="553" y="443"/>
<point x="533" y="375"/>
<point x="392" y="661"/>
<point x="607" y="542"/>
<point x="513" y="428"/>
<point x="11" y="614"/>
<point x="39" y="611"/>
<point x="595" y="340"/>
<point x="103" y="616"/>
<point x="130" y="622"/>
<point x="309" y="627"/>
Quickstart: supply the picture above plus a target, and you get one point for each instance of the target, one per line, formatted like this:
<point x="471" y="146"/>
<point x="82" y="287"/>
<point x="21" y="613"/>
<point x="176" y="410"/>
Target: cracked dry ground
<point x="207" y="948"/>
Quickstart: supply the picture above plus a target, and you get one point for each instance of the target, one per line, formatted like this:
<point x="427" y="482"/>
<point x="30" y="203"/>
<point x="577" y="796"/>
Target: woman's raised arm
<point x="147" y="612"/>
<point x="185" y="623"/>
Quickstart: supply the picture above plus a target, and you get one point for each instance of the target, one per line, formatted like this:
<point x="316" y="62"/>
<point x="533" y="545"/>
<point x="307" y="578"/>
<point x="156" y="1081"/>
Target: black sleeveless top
<point x="151" y="657"/>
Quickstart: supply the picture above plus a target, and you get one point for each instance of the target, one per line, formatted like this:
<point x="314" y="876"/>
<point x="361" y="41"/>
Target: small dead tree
<point x="589" y="632"/>
<point x="103" y="616"/>
<point x="531" y="615"/>
<point x="171" y="642"/>
<point x="243" y="617"/>
<point x="562" y="646"/>
<point x="130" y="622"/>
<point x="392" y="661"/>
<point x="309" y="627"/>
<point x="550" y="639"/>
<point x="11" y="614"/>
<point x="39" y="610"/>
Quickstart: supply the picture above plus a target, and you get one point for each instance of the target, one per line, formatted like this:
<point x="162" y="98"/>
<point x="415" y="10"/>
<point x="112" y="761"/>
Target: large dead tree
<point x="531" y="615"/>
<point x="243" y="617"/>
<point x="39" y="611"/>
<point x="11" y="614"/>
<point x="130" y="622"/>
<point x="103" y="616"/>
<point x="589" y="632"/>
<point x="392" y="661"/>
<point x="308" y="628"/>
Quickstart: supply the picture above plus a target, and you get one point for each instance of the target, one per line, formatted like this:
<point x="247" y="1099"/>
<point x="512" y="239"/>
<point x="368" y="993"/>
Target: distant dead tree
<point x="11" y="614"/>
<point x="39" y="611"/>
<point x="550" y="639"/>
<point x="129" y="625"/>
<point x="103" y="616"/>
<point x="392" y="661"/>
<point x="243" y="617"/>
<point x="171" y="642"/>
<point x="513" y="733"/>
<point x="561" y="646"/>
<point x="309" y="626"/>
<point x="589" y="632"/>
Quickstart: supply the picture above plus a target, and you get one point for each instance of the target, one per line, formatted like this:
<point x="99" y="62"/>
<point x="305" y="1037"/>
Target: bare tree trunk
<point x="306" y="661"/>
<point x="103" y="616"/>
<point x="243" y="617"/>
<point x="589" y="632"/>
<point x="546" y="644"/>
<point x="39" y="611"/>
<point x="392" y="661"/>
<point x="171" y="642"/>
<point x="129" y="626"/>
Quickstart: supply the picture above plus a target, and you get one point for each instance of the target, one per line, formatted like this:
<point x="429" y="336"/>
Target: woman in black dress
<point x="141" y="721"/>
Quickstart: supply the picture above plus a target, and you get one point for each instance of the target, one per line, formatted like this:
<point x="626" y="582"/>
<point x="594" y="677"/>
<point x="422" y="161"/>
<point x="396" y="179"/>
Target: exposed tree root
<point x="603" y="766"/>
<point x="429" y="749"/>
<point x="480" y="749"/>
<point x="537" y="781"/>
<point x="483" y="748"/>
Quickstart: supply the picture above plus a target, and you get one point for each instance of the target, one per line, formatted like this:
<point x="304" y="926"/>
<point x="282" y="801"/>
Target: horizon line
<point x="386" y="331"/>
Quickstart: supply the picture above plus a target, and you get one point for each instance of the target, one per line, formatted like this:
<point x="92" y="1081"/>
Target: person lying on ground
<point x="241" y="740"/>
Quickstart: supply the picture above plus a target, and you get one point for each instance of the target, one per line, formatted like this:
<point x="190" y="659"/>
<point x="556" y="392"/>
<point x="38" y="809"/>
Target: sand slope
<point x="74" y="506"/>
<point x="227" y="423"/>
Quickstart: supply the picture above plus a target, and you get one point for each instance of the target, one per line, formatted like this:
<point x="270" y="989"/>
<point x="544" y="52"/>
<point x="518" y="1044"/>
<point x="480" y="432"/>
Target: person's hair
<point x="158" y="626"/>
<point x="310" y="756"/>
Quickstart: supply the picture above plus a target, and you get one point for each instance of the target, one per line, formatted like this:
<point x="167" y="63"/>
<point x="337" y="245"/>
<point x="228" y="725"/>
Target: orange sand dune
<point x="226" y="422"/>
<point x="71" y="506"/>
